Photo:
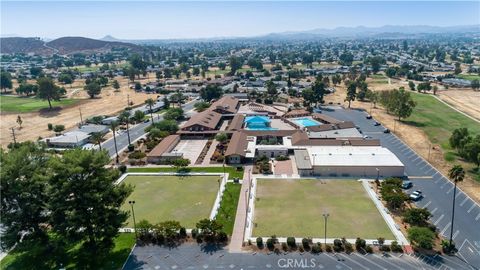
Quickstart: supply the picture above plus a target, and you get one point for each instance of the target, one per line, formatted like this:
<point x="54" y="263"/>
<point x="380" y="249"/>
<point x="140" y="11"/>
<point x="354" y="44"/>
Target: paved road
<point x="136" y="132"/>
<point x="438" y="190"/>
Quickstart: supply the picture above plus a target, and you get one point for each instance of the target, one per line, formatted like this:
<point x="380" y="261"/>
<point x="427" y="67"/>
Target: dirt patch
<point x="466" y="100"/>
<point x="413" y="136"/>
<point x="107" y="103"/>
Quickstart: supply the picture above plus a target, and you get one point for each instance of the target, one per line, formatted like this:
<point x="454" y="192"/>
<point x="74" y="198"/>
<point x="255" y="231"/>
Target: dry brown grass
<point x="108" y="102"/>
<point x="466" y="100"/>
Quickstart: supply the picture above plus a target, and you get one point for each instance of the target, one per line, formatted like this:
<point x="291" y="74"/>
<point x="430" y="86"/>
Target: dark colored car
<point x="369" y="116"/>
<point x="376" y="123"/>
<point x="407" y="184"/>
<point x="386" y="130"/>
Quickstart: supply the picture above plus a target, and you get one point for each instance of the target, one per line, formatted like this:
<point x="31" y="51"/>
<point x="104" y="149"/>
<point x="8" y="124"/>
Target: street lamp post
<point x="325" y="217"/>
<point x="378" y="173"/>
<point x="134" y="222"/>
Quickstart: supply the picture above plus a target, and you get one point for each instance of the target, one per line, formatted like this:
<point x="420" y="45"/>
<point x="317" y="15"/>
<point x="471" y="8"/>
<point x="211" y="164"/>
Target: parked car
<point x="407" y="184"/>
<point x="416" y="195"/>
<point x="376" y="123"/>
<point x="367" y="136"/>
<point x="146" y="121"/>
<point x="369" y="116"/>
<point x="386" y="130"/>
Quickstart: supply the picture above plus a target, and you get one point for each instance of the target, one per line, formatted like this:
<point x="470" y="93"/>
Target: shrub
<point x="199" y="239"/>
<point x="276" y="250"/>
<point x="385" y="248"/>
<point x="316" y="248"/>
<point x="58" y="128"/>
<point x="122" y="169"/>
<point x="222" y="237"/>
<point x="328" y="248"/>
<point x="194" y="233"/>
<point x="306" y="243"/>
<point x="136" y="155"/>
<point x="291" y="242"/>
<point x="301" y="249"/>
<point x="337" y="245"/>
<point x="50" y="126"/>
<point x="183" y="232"/>
<point x="396" y="247"/>
<point x="421" y="237"/>
<point x="260" y="242"/>
<point x="369" y="249"/>
<point x="348" y="247"/>
<point x="270" y="243"/>
<point x="131" y="147"/>
<point x="284" y="247"/>
<point x="360" y="244"/>
<point x="281" y="158"/>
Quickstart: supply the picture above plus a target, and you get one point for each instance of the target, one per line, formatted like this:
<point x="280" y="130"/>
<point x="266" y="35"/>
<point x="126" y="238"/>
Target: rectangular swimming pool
<point x="306" y="122"/>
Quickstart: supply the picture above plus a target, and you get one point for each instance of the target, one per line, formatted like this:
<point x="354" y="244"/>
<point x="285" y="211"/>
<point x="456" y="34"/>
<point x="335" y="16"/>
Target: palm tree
<point x="114" y="126"/>
<point x="150" y="102"/>
<point x="125" y="118"/>
<point x="457" y="174"/>
<point x="97" y="137"/>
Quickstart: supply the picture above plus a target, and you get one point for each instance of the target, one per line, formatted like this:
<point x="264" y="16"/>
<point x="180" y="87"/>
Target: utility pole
<point x="13" y="135"/>
<point x="133" y="215"/>
<point x="325" y="217"/>
<point x="429" y="148"/>
<point x="128" y="100"/>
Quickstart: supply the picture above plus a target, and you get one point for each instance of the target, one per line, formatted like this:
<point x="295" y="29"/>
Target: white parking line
<point x="471" y="208"/>
<point x="458" y="194"/>
<point x="455" y="234"/>
<point x="355" y="262"/>
<point x="335" y="259"/>
<point x="438" y="220"/>
<point x="370" y="261"/>
<point x="446" y="228"/>
<point x="478" y="217"/>
<point x="434" y="210"/>
<point x="386" y="260"/>
<point x="464" y="201"/>
<point x="426" y="205"/>
<point x="450" y="190"/>
<point x="415" y="159"/>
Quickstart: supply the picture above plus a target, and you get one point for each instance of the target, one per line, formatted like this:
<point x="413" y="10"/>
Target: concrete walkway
<point x="210" y="151"/>
<point x="236" y="241"/>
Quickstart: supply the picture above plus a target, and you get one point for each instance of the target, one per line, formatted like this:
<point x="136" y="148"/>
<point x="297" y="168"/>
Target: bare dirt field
<point x="107" y="103"/>
<point x="466" y="100"/>
<point x="413" y="136"/>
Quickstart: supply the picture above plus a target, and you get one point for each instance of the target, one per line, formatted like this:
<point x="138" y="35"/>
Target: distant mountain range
<point x="396" y="31"/>
<point x="63" y="45"/>
<point x="69" y="45"/>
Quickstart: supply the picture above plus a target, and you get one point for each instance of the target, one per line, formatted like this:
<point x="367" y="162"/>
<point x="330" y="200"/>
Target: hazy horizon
<point x="192" y="20"/>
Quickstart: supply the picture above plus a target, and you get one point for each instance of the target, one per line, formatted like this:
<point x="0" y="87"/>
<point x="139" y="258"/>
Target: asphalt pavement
<point x="436" y="188"/>
<point x="136" y="132"/>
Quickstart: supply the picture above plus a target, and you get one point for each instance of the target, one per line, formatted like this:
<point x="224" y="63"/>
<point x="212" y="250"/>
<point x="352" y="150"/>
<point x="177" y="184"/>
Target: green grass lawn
<point x="469" y="77"/>
<point x="228" y="207"/>
<point x="29" y="104"/>
<point x="294" y="208"/>
<point x="160" y="198"/>
<point x="232" y="171"/>
<point x="438" y="120"/>
<point x="21" y="257"/>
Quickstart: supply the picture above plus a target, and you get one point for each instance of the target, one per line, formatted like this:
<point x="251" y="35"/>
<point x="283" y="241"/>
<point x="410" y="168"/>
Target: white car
<point x="416" y="195"/>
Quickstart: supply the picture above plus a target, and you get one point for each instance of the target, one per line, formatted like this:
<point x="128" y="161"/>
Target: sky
<point x="198" y="19"/>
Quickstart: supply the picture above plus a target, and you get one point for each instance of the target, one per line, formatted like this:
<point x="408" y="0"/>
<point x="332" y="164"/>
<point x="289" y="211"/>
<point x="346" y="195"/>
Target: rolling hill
<point x="63" y="45"/>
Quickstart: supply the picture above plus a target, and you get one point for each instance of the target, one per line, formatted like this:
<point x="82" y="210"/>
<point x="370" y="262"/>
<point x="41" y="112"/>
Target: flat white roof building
<point x="348" y="161"/>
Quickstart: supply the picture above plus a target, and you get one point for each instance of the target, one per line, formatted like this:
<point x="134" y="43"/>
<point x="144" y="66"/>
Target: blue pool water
<point x="258" y="123"/>
<point x="306" y="122"/>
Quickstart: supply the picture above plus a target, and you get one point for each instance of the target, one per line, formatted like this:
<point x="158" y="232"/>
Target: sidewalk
<point x="236" y="241"/>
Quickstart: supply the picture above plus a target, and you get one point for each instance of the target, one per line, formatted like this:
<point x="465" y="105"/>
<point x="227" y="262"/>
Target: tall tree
<point x="49" y="91"/>
<point x="113" y="126"/>
<point x="351" y="93"/>
<point x="457" y="174"/>
<point x="5" y="81"/>
<point x="405" y="104"/>
<point x="93" y="89"/>
<point x="23" y="188"/>
<point x="85" y="201"/>
<point x="97" y="137"/>
<point x="116" y="85"/>
<point x="125" y="118"/>
<point x="150" y="102"/>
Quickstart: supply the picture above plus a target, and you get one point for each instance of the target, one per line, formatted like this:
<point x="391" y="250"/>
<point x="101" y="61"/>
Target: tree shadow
<point x="132" y="263"/>
<point x="211" y="248"/>
<point x="47" y="112"/>
<point x="413" y="123"/>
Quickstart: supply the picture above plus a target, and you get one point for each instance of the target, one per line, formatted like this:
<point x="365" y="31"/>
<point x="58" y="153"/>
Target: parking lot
<point x="436" y="188"/>
<point x="192" y="256"/>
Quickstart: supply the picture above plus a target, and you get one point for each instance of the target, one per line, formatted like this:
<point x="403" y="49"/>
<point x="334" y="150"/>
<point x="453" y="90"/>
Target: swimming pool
<point x="258" y="123"/>
<point x="306" y="122"/>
